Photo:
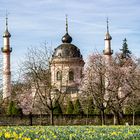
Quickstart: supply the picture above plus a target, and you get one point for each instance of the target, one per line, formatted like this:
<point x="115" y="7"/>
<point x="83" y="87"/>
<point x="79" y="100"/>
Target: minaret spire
<point x="6" y="20"/>
<point x="66" y="23"/>
<point x="6" y="33"/>
<point x="107" y="25"/>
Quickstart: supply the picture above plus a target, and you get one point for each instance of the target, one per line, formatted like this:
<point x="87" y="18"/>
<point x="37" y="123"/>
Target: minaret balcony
<point x="108" y="52"/>
<point x="6" y="50"/>
<point x="7" y="72"/>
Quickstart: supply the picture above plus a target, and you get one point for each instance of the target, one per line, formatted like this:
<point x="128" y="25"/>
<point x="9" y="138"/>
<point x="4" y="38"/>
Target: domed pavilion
<point x="67" y="66"/>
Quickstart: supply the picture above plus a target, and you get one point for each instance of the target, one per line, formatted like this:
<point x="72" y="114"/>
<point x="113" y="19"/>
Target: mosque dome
<point x="67" y="50"/>
<point x="66" y="38"/>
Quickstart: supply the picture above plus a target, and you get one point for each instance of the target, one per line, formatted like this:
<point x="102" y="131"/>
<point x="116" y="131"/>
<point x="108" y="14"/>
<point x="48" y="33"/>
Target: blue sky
<point x="32" y="22"/>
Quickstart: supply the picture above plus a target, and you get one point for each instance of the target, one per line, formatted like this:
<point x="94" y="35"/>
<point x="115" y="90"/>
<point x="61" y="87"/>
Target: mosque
<point x="67" y="63"/>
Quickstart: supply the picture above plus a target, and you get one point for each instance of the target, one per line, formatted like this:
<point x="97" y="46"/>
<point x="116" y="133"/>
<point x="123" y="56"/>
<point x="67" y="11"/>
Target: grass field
<point x="70" y="133"/>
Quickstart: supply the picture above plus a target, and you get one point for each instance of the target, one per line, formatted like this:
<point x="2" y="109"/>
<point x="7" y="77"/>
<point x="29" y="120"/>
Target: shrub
<point x="12" y="109"/>
<point x="78" y="108"/>
<point x="70" y="108"/>
<point x="90" y="107"/>
<point x="57" y="108"/>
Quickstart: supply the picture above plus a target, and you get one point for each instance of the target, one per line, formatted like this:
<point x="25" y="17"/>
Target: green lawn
<point x="70" y="132"/>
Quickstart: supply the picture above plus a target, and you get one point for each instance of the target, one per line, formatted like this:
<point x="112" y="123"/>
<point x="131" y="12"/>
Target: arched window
<point x="58" y="75"/>
<point x="59" y="54"/>
<point x="71" y="75"/>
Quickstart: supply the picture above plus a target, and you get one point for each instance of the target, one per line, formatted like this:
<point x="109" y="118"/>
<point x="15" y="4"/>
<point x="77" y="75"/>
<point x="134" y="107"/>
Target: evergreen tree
<point x="12" y="109"/>
<point x="90" y="107"/>
<point x="9" y="110"/>
<point x="70" y="108"/>
<point x="125" y="51"/>
<point x="15" y="110"/>
<point x="78" y="108"/>
<point x="57" y="108"/>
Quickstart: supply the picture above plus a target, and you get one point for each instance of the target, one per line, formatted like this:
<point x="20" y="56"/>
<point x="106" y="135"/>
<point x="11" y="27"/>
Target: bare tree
<point x="36" y="70"/>
<point x="111" y="85"/>
<point x="94" y="83"/>
<point x="133" y="105"/>
<point x="121" y="86"/>
<point x="133" y="80"/>
<point x="21" y="94"/>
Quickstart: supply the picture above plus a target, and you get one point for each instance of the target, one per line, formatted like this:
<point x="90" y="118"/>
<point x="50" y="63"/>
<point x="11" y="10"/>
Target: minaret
<point x="6" y="50"/>
<point x="107" y="59"/>
<point x="107" y="51"/>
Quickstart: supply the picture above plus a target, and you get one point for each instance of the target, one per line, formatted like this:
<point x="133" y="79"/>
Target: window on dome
<point x="58" y="76"/>
<point x="71" y="75"/>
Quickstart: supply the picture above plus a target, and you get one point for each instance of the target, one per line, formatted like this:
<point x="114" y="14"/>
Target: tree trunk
<point x="40" y="118"/>
<point x="133" y="117"/>
<point x="118" y="119"/>
<point x="30" y="118"/>
<point x="102" y="117"/>
<point x="51" y="118"/>
<point x="87" y="115"/>
<point x="114" y="119"/>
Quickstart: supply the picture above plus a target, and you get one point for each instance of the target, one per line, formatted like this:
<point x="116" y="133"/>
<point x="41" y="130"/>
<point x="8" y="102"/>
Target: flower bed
<point x="70" y="132"/>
